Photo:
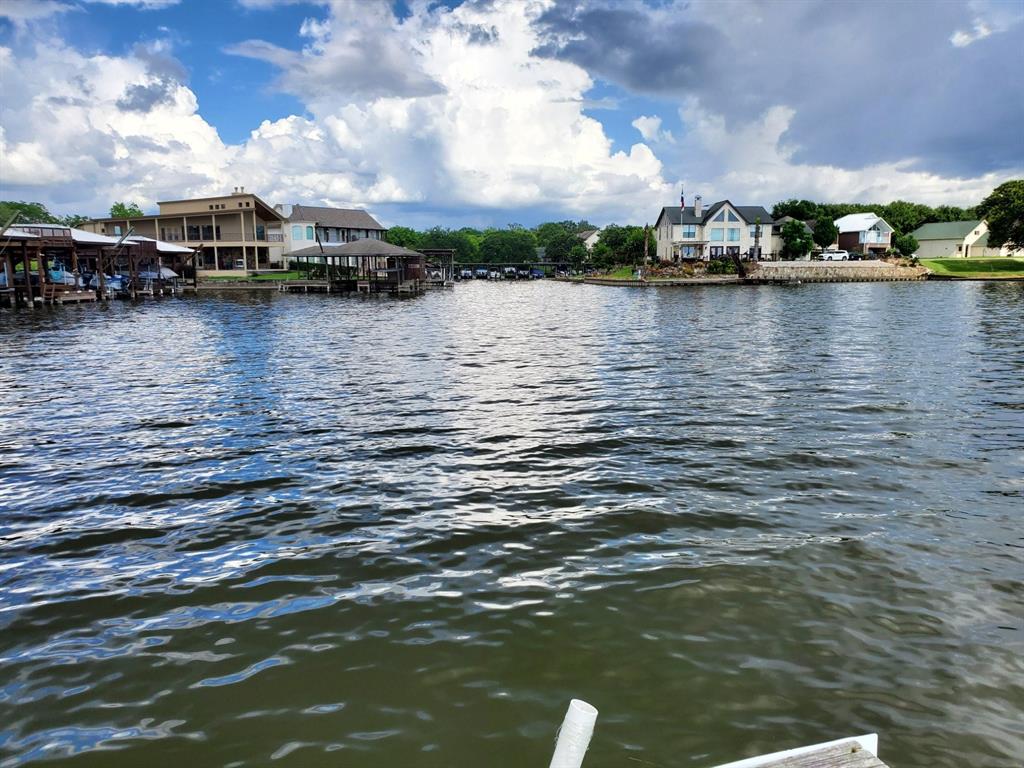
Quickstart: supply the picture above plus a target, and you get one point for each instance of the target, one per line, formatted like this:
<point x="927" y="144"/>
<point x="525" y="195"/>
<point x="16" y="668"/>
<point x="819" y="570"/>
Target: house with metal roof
<point x="305" y="224"/>
<point x="685" y="232"/>
<point x="865" y="233"/>
<point x="956" y="239"/>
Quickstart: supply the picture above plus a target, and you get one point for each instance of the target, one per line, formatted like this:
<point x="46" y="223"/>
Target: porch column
<point x="213" y="231"/>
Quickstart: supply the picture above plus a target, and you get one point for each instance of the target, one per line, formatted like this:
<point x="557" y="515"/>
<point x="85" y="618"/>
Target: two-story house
<point x="305" y="223"/>
<point x="231" y="232"/>
<point x="864" y="233"/>
<point x="722" y="229"/>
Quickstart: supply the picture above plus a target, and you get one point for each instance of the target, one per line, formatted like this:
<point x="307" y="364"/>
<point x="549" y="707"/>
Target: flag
<point x="682" y="197"/>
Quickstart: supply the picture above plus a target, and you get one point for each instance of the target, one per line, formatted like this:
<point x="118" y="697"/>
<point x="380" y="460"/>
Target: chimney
<point x="698" y="206"/>
<point x="242" y="190"/>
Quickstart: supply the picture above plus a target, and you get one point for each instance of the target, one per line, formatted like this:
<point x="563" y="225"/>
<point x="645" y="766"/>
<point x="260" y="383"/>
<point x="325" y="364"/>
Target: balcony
<point x="275" y="237"/>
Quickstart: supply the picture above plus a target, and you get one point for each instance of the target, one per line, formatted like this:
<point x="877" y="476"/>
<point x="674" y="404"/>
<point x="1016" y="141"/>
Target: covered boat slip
<point x="52" y="263"/>
<point x="360" y="266"/>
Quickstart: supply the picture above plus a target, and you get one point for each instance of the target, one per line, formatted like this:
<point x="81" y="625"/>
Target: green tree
<point x="1003" y="209"/>
<point x="804" y="210"/>
<point x="457" y="240"/>
<point x="125" y="210"/>
<point x="74" y="219"/>
<point x="602" y="256"/>
<point x="578" y="256"/>
<point x="825" y="233"/>
<point x="28" y="213"/>
<point x="551" y="230"/>
<point x="906" y="245"/>
<point x="796" y="240"/>
<point x="403" y="236"/>
<point x="559" y="246"/>
<point x="508" y="246"/>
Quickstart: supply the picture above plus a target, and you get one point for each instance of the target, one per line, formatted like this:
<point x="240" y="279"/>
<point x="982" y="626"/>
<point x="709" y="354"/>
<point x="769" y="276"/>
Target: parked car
<point x="536" y="274"/>
<point x="509" y="273"/>
<point x="481" y="273"/>
<point x="830" y="255"/>
<point x="466" y="274"/>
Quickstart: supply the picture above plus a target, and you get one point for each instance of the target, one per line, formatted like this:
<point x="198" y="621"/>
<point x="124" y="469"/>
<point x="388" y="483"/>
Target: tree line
<point x="515" y="244"/>
<point x="37" y="213"/>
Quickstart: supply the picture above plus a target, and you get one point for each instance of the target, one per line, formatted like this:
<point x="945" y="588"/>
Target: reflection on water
<point x="245" y="528"/>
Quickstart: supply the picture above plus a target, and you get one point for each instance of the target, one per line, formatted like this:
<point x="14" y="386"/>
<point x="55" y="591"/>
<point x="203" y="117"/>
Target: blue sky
<point x="491" y="111"/>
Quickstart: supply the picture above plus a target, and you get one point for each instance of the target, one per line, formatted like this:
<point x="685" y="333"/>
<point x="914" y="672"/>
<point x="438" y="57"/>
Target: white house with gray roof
<point x="305" y="223"/>
<point x="722" y="229"/>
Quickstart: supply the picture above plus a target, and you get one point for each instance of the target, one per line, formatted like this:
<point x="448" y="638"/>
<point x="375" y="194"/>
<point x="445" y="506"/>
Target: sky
<point x="490" y="112"/>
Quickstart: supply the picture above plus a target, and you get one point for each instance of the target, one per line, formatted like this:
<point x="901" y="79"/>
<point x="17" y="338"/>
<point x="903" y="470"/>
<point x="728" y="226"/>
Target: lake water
<point x="248" y="529"/>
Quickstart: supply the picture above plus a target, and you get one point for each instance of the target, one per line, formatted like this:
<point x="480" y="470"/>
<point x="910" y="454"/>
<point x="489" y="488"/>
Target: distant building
<point x="233" y="232"/>
<point x="778" y="224"/>
<point x="864" y="233"/>
<point x="955" y="239"/>
<point x="722" y="229"/>
<point x="589" y="237"/>
<point x="306" y="223"/>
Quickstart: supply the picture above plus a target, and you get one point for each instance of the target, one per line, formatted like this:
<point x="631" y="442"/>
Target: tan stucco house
<point x="232" y="232"/>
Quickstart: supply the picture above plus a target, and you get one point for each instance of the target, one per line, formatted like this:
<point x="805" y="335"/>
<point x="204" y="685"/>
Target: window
<point x="211" y="207"/>
<point x="246" y="203"/>
<point x="732" y="216"/>
<point x="296" y="232"/>
<point x="716" y="250"/>
<point x="958" y="248"/>
<point x="261" y="232"/>
<point x="732" y="250"/>
<point x="688" y="251"/>
<point x="753" y="231"/>
<point x="717" y="234"/>
<point x="734" y="234"/>
<point x="309" y="233"/>
<point x="689" y="231"/>
<point x="193" y="232"/>
<point x="117" y="229"/>
<point x="239" y="205"/>
<point x="720" y="216"/>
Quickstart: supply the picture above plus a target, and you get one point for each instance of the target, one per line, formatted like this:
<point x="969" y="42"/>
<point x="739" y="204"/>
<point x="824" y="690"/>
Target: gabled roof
<point x="587" y="233"/>
<point x="749" y="213"/>
<point x="364" y="247"/>
<point x="859" y="222"/>
<point x="808" y="225"/>
<point x="346" y="218"/>
<point x="946" y="230"/>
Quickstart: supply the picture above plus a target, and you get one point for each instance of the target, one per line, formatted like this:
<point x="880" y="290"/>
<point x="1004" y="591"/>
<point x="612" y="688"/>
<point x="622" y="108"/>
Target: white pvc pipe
<point x="574" y="735"/>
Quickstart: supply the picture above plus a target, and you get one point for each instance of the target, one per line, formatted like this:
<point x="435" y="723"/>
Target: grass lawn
<point x="976" y="268"/>
<point x="254" y="278"/>
<point x="619" y="273"/>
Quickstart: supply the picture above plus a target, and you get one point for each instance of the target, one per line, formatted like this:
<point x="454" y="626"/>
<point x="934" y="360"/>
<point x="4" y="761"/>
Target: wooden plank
<point x="848" y="754"/>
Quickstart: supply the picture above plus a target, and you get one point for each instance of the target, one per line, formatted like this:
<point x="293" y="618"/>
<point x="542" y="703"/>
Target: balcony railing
<point x="275" y="237"/>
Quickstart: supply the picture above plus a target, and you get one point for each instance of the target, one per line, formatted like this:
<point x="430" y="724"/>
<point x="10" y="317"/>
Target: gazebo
<point x="373" y="265"/>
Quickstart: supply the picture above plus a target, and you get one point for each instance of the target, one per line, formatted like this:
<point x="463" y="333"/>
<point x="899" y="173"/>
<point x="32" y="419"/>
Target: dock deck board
<point x="849" y="754"/>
